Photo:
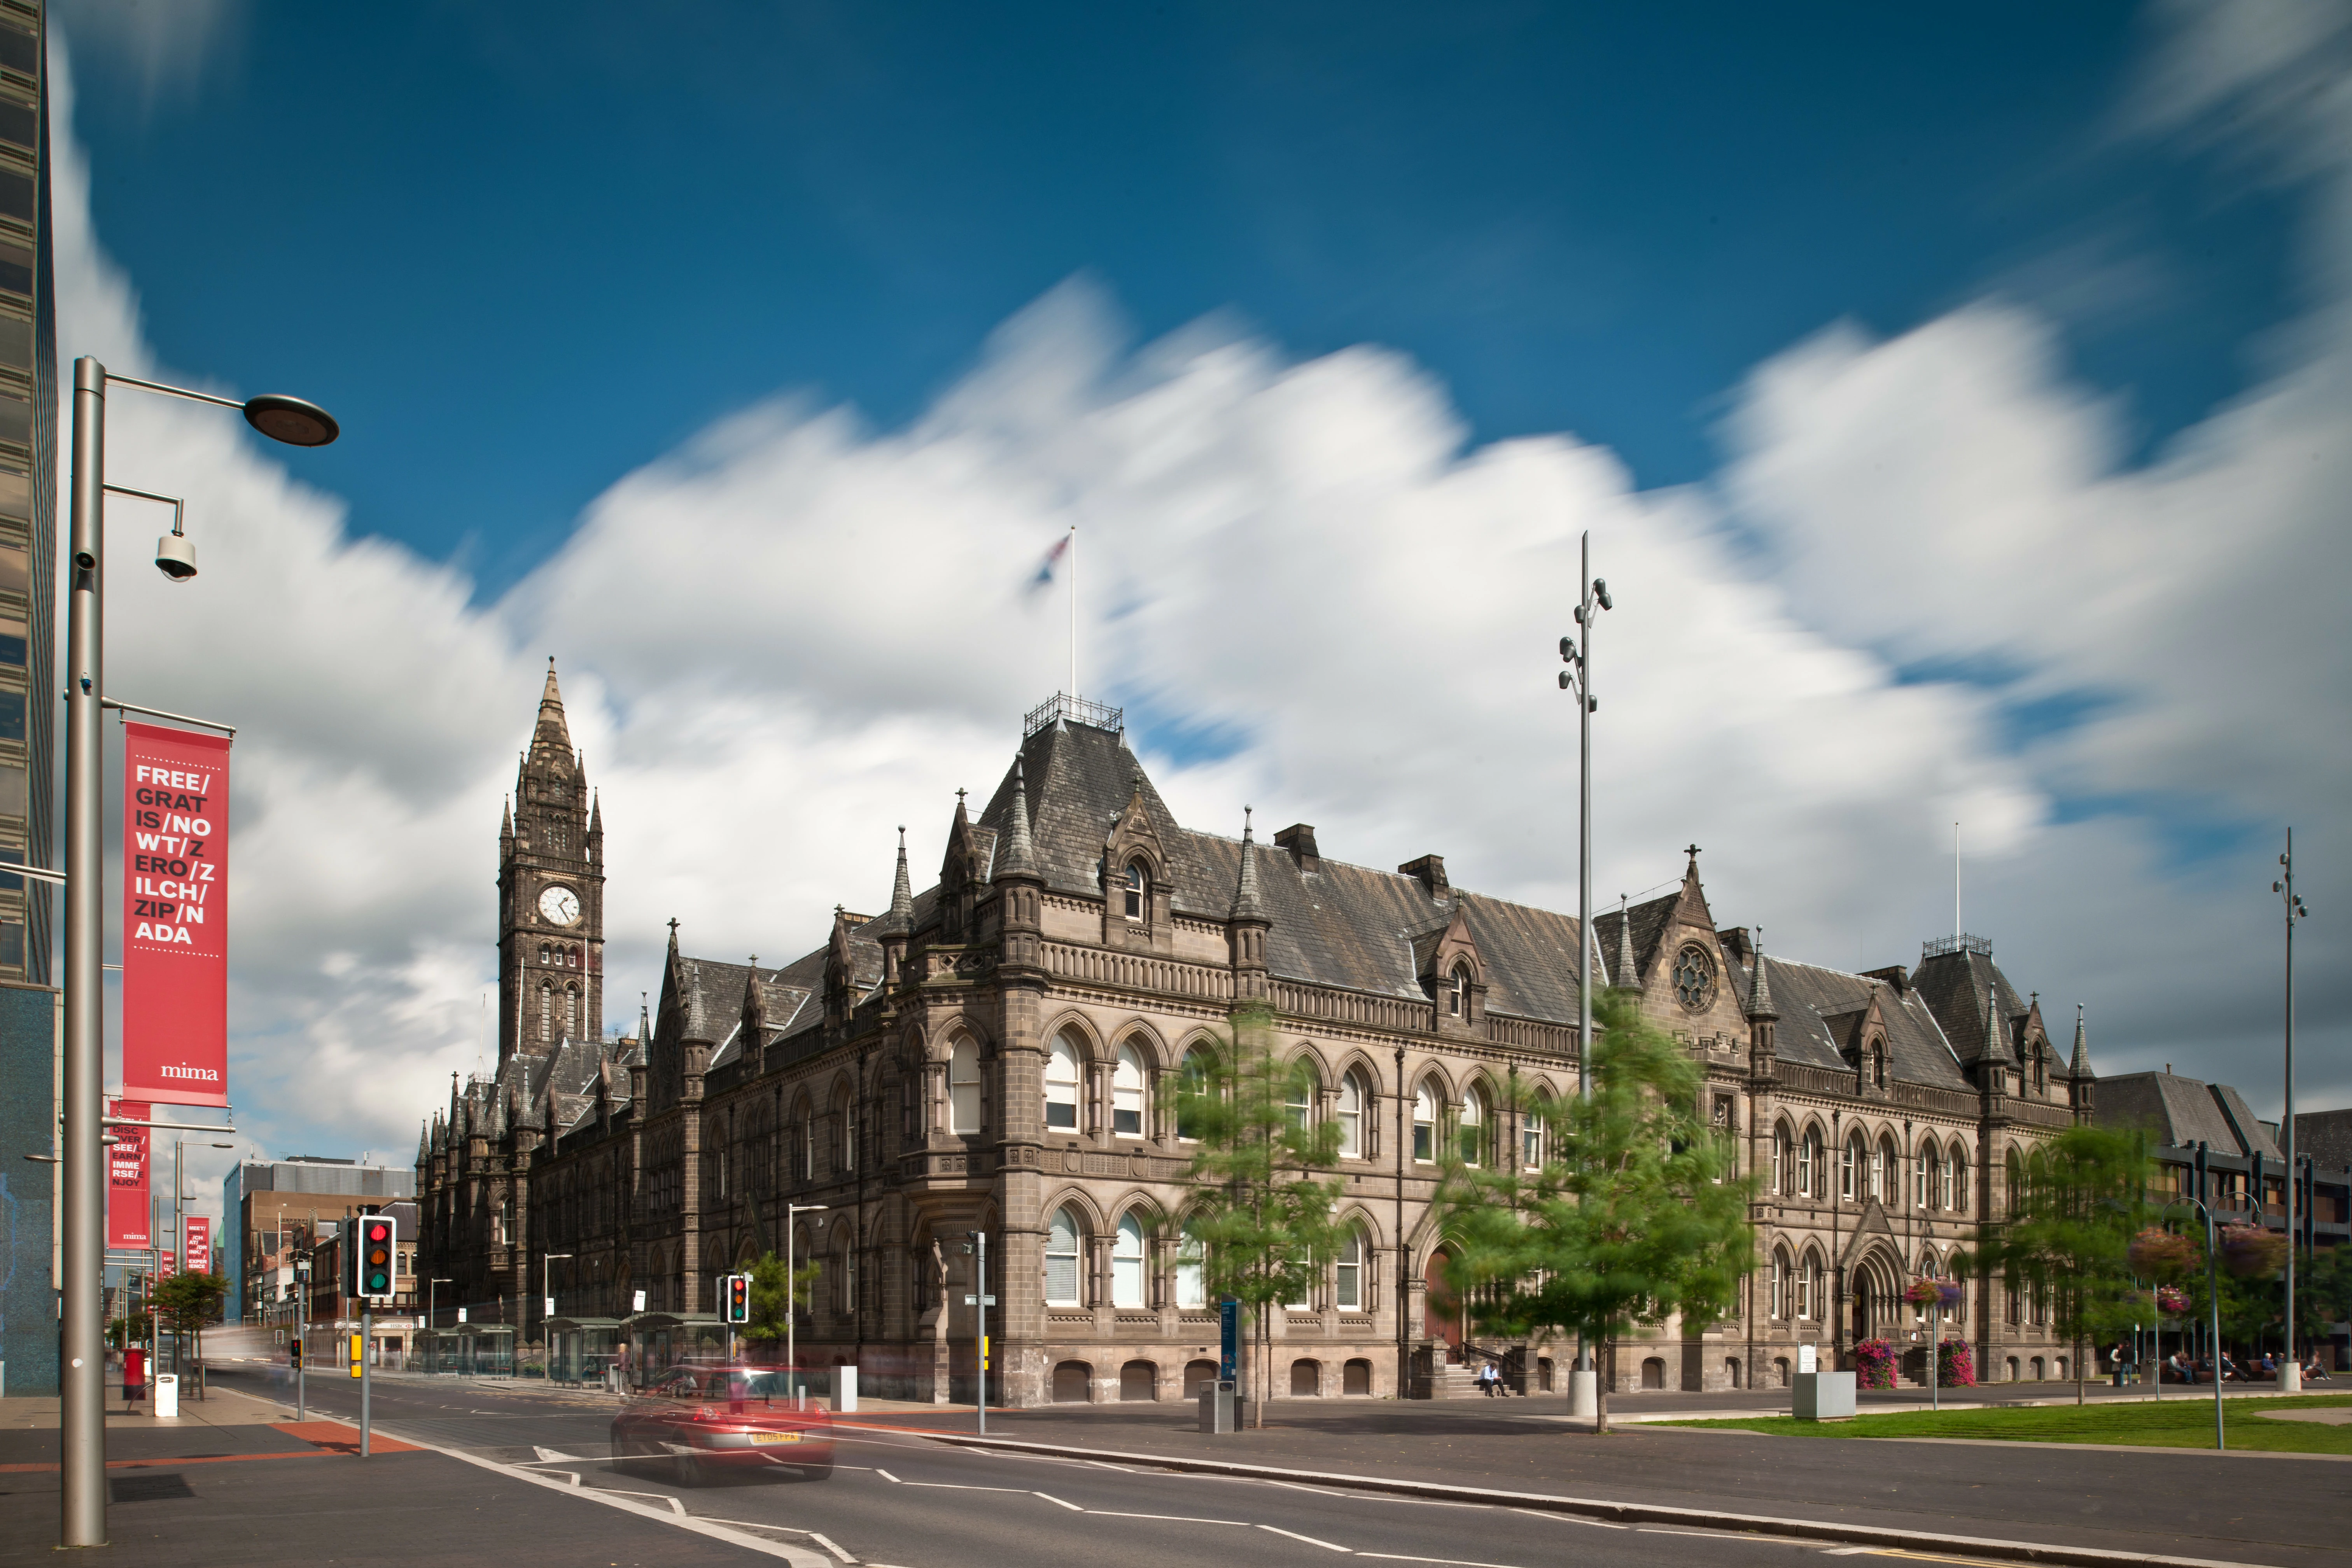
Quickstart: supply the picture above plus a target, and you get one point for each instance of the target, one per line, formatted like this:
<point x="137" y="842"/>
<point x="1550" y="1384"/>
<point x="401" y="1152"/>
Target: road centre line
<point x="889" y="1476"/>
<point x="1171" y="1518"/>
<point x="1319" y="1491"/>
<point x="1049" y="1496"/>
<point x="1450" y="1562"/>
<point x="1310" y="1541"/>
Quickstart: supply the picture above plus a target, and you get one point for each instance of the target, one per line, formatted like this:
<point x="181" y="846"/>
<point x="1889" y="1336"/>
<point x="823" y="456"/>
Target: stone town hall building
<point x="1001" y="1051"/>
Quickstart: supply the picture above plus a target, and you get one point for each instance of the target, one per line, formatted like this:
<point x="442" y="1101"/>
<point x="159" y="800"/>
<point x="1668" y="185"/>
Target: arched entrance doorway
<point x="1877" y="1296"/>
<point x="1440" y="1312"/>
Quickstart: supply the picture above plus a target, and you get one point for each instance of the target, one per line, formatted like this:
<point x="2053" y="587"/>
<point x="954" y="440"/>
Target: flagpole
<point x="1073" y="611"/>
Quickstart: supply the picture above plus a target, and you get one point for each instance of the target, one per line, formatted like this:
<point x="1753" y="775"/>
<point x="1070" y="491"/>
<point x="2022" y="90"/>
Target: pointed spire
<point x="506" y="817"/>
<point x="1625" y="972"/>
<point x="902" y="890"/>
<point x="2080" y="1067"/>
<point x="1759" y="995"/>
<point x="1996" y="1045"/>
<point x="1247" y="905"/>
<point x="552" y="726"/>
<point x="597" y="815"/>
<point x="1017" y="856"/>
<point x="644" y="1018"/>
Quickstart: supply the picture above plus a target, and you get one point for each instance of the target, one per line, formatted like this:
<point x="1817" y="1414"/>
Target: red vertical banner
<point x="128" y="1222"/>
<point x="174" y="916"/>
<point x="199" y="1244"/>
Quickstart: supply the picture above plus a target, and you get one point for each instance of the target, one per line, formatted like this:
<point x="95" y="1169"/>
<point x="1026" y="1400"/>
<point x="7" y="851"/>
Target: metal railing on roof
<point x="1943" y="946"/>
<point x="1077" y="710"/>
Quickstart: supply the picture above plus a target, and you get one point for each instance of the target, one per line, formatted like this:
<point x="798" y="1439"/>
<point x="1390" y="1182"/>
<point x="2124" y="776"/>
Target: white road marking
<point x="1570" y="1518"/>
<point x="887" y="1476"/>
<point x="826" y="1542"/>
<point x="1103" y="1464"/>
<point x="554" y="1456"/>
<point x="571" y="1475"/>
<point x="1049" y="1496"/>
<point x="1172" y="1518"/>
<point x="1450" y="1562"/>
<point x="1319" y="1491"/>
<point x="1309" y="1539"/>
<point x="962" y="1486"/>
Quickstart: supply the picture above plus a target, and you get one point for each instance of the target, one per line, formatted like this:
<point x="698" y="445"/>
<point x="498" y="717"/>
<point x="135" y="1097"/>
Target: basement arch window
<point x="963" y="1087"/>
<point x="1062" y="1260"/>
<point x="1127" y="1264"/>
<point x="1138" y="885"/>
<point x="1127" y="1094"/>
<point x="1062" y="1087"/>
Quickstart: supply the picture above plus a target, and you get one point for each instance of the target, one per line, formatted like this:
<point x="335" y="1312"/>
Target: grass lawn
<point x="2181" y="1421"/>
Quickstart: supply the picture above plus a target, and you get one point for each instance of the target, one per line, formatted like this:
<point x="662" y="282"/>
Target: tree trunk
<point x="1600" y="1391"/>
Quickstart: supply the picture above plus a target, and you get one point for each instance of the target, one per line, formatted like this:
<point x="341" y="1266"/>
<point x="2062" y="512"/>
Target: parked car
<point x="700" y="1423"/>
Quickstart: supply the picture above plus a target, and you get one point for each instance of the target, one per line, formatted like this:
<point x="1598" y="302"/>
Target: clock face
<point x="561" y="905"/>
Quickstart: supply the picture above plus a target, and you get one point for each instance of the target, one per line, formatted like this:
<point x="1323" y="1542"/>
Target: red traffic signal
<point x="739" y="1297"/>
<point x="374" y="1256"/>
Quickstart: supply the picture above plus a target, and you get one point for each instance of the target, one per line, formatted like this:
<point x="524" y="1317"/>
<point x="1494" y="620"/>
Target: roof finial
<point x="1247" y="904"/>
<point x="1625" y="971"/>
<point x="2080" y="1067"/>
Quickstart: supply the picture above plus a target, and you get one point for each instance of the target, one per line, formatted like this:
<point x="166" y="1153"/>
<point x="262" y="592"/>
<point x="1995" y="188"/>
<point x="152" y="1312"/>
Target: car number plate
<point x="760" y="1437"/>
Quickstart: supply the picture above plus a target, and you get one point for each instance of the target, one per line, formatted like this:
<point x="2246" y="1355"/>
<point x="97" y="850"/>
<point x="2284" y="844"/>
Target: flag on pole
<point x="1046" y="568"/>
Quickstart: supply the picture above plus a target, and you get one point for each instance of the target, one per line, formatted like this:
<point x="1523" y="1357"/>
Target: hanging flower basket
<point x="1955" y="1367"/>
<point x="1873" y="1364"/>
<point x="1923" y="1294"/>
<point x="2171" y="1301"/>
<point x="2160" y="1255"/>
<point x="2249" y="1252"/>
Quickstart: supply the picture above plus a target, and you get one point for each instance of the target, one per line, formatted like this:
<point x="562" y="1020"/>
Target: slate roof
<point x="1819" y="1009"/>
<point x="1649" y="920"/>
<point x="2184" y="1111"/>
<point x="1954" y="985"/>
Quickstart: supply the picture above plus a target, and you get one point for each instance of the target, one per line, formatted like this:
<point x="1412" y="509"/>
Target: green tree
<point x="2323" y="1291"/>
<point x="2069" y="1234"/>
<point x="190" y="1302"/>
<point x="1639" y="1217"/>
<point x="1265" y="1222"/>
<point x="769" y="1307"/>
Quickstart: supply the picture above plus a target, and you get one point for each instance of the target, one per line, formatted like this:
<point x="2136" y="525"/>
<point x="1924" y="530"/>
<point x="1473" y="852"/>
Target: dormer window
<point x="1457" y="994"/>
<point x="1136" y="885"/>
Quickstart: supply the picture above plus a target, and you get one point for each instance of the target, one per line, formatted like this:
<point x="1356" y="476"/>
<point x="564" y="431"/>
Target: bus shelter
<point x="469" y="1350"/>
<point x="656" y="1341"/>
<point x="581" y="1350"/>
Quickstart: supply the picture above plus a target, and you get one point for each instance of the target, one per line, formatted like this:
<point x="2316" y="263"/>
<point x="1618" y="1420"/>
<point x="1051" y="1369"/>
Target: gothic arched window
<point x="1127" y="1263"/>
<point x="1137" y="884"/>
<point x="1062" y="1233"/>
<point x="572" y="1012"/>
<point x="1457" y="991"/>
<point x="1352" y="1099"/>
<point x="546" y="954"/>
<point x="546" y="1011"/>
<point x="1062" y="1087"/>
<point x="1127" y="1094"/>
<point x="963" y="1087"/>
<point x="1472" y="1129"/>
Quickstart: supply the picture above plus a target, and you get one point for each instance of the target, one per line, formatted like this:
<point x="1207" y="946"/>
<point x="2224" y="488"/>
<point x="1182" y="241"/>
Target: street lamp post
<point x="792" y="1321"/>
<point x="2290" y="1377"/>
<point x="82" y="1232"/>
<point x="1583" y="1399"/>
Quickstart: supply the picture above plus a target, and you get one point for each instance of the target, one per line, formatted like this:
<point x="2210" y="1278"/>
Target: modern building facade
<point x="278" y="1211"/>
<point x="1002" y="1052"/>
<point x="29" y="1020"/>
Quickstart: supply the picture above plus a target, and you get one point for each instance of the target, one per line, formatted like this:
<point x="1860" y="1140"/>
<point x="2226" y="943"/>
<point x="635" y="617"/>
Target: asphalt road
<point x="900" y="1500"/>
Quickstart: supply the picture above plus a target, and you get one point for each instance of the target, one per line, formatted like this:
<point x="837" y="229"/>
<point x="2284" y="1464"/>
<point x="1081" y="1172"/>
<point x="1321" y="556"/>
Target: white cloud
<point x="798" y="633"/>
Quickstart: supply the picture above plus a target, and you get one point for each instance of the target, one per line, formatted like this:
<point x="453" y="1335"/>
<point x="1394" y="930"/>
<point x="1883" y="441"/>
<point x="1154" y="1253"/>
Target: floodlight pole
<point x="2290" y="1377"/>
<point x="1577" y="679"/>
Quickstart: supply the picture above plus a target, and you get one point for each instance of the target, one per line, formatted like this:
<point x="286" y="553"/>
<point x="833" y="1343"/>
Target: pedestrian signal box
<point x="373" y="1259"/>
<point x="739" y="1297"/>
<point x="294" y="1352"/>
<point x="359" y="1354"/>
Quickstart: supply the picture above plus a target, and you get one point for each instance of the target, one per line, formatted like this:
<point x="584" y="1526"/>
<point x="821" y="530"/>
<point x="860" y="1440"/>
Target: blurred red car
<point x="700" y="1423"/>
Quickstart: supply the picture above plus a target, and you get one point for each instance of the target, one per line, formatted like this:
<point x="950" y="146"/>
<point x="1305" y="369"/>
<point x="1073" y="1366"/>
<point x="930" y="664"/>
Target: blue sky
<point x="1961" y="404"/>
<point x="523" y="249"/>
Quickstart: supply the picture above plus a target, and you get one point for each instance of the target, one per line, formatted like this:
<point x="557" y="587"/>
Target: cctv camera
<point x="176" y="557"/>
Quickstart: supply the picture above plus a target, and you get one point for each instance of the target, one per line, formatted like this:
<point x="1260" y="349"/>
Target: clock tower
<point x="550" y="895"/>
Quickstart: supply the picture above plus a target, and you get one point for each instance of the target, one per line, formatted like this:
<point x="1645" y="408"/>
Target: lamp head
<point x="176" y="557"/>
<point x="292" y="420"/>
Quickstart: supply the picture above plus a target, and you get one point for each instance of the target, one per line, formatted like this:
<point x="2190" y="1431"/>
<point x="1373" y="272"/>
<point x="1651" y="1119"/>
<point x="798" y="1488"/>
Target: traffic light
<point x="378" y="1245"/>
<point x="739" y="1297"/>
<point x="294" y="1354"/>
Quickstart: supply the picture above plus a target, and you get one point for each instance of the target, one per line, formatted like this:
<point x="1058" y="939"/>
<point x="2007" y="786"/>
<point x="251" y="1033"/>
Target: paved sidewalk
<point x="238" y="1484"/>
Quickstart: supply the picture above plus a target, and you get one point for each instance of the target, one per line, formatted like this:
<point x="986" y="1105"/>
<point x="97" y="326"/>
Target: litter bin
<point x="167" y="1394"/>
<point x="1824" y="1396"/>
